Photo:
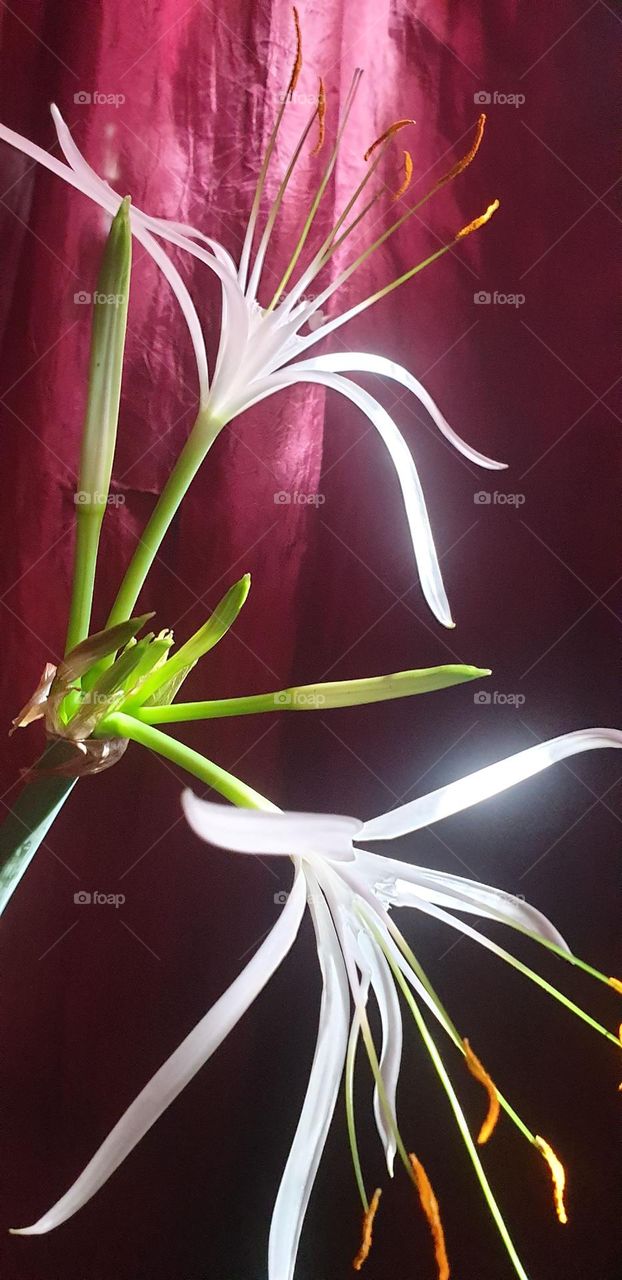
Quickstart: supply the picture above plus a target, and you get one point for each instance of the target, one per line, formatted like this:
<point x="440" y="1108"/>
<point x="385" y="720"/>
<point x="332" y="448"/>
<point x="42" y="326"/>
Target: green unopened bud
<point x="352" y="693"/>
<point x="175" y="670"/>
<point x="110" y="303"/>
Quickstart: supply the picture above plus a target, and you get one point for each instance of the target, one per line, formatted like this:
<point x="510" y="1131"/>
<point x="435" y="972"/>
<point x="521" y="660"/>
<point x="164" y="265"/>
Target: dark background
<point x="94" y="999"/>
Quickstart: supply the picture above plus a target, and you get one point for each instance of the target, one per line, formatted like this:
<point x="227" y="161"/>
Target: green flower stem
<point x="181" y="712"/>
<point x="194" y="452"/>
<point x="226" y="784"/>
<point x="88" y="529"/>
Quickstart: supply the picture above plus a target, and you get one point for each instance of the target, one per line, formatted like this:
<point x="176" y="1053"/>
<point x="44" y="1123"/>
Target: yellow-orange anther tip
<point x="558" y="1174"/>
<point x="408" y="174"/>
<point x="429" y="1204"/>
<point x="367" y="1232"/>
<point x="321" y="118"/>
<point x="479" y="1072"/>
<point x="388" y="133"/>
<point x="478" y="222"/>
<point x="616" y="984"/>
<point x="297" y="67"/>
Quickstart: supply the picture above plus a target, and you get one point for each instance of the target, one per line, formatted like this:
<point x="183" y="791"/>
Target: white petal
<point x="391" y="1055"/>
<point x="361" y="362"/>
<point x="414" y="501"/>
<point x="253" y="831"/>
<point x="320" y="1099"/>
<point x="183" y="1064"/>
<point x="403" y="884"/>
<point x="484" y="783"/>
<point x="103" y="194"/>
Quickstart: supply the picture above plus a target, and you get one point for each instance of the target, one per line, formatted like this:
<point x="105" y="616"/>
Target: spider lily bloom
<point x="264" y="330"/>
<point x="350" y="893"/>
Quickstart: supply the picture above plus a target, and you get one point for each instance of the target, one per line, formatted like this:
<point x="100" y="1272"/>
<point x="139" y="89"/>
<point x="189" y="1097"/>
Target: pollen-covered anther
<point x="407" y="173"/>
<point x="388" y="133"/>
<point x="558" y="1174"/>
<point x="429" y="1204"/>
<point x="297" y="67"/>
<point x="464" y="163"/>
<point x="478" y="222"/>
<point x="367" y="1230"/>
<point x="479" y="1072"/>
<point x="616" y="984"/>
<point x="321" y="118"/>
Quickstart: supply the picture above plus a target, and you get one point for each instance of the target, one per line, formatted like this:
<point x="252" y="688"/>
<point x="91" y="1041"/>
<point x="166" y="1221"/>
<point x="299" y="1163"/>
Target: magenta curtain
<point x="514" y="336"/>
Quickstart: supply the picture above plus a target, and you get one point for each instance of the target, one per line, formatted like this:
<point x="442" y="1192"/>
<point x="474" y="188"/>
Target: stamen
<point x="408" y="173"/>
<point x="464" y="163"/>
<point x="321" y="119"/>
<point x="478" y="222"/>
<point x="479" y="1073"/>
<point x="297" y="67"/>
<point x="388" y="133"/>
<point x="368" y="1224"/>
<point x="558" y="1174"/>
<point x="429" y="1204"/>
<point x="616" y="984"/>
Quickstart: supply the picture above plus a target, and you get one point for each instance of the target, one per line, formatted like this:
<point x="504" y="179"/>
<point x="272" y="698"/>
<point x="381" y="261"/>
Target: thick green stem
<point x="88" y="529"/>
<point x="226" y="784"/>
<point x="180" y="712"/>
<point x="192" y="455"/>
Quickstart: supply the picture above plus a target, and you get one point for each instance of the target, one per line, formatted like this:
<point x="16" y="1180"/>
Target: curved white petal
<point x="484" y="783"/>
<point x="362" y="362"/>
<point x="98" y="190"/>
<point x="183" y="1064"/>
<point x="402" y="884"/>
<point x="412" y="493"/>
<point x="320" y="1099"/>
<point x="391" y="1055"/>
<point x="254" y="831"/>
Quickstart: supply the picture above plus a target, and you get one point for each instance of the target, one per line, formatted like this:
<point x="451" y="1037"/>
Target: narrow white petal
<point x="254" y="831"/>
<point x="486" y="782"/>
<point x="412" y="493"/>
<point x="391" y="1055"/>
<point x="403" y="884"/>
<point x="320" y="1100"/>
<point x="183" y="1064"/>
<point x="361" y="362"/>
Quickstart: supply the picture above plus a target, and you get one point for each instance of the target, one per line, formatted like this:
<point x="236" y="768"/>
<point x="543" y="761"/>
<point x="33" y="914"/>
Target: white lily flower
<point x="350" y="893"/>
<point x="261" y="341"/>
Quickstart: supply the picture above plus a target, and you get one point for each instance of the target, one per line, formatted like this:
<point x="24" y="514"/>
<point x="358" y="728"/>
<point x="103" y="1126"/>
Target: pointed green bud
<point x="181" y="662"/>
<point x="352" y="693"/>
<point x="110" y="303"/>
